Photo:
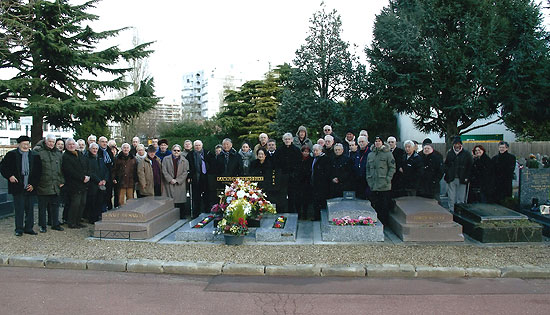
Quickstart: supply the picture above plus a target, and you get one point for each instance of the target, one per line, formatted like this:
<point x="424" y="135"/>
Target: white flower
<point x="240" y="194"/>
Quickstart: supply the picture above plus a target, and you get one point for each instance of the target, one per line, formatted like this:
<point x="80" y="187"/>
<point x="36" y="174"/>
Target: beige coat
<point x="177" y="191"/>
<point x="145" y="175"/>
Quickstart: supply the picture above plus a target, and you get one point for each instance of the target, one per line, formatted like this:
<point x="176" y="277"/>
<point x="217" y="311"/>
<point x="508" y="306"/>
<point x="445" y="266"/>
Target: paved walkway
<point x="34" y="291"/>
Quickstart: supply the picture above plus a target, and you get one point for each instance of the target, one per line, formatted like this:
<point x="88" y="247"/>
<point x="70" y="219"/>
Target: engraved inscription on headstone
<point x="534" y="183"/>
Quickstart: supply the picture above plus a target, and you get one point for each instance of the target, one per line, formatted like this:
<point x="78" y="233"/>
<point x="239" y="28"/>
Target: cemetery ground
<point x="77" y="244"/>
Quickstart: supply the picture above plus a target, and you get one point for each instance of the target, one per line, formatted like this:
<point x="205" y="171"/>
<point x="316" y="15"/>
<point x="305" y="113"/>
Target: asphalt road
<point x="49" y="291"/>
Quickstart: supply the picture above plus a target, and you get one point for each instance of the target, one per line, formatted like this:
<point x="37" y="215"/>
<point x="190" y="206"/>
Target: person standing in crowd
<point x="321" y="142"/>
<point x="399" y="157"/>
<point x="135" y="143"/>
<point x="247" y="157"/>
<point x="380" y="170"/>
<point x="504" y="164"/>
<point x="432" y="173"/>
<point x="81" y="145"/>
<point x="481" y="183"/>
<point x="115" y="191"/>
<point x="262" y="142"/>
<point x="458" y="167"/>
<point x="199" y="168"/>
<point x="271" y="157"/>
<point x="261" y="166"/>
<point x="108" y="158"/>
<point x="99" y="176"/>
<point x="75" y="170"/>
<point x="22" y="168"/>
<point x="320" y="181"/>
<point x="328" y="148"/>
<point x="60" y="145"/>
<point x="140" y="156"/>
<point x="163" y="149"/>
<point x="155" y="143"/>
<point x="301" y="138"/>
<point x="303" y="186"/>
<point x="411" y="169"/>
<point x="228" y="162"/>
<point x="532" y="162"/>
<point x="149" y="173"/>
<point x="91" y="139"/>
<point x="187" y="148"/>
<point x="124" y="174"/>
<point x="350" y="137"/>
<point x="340" y="172"/>
<point x="113" y="148"/>
<point x="288" y="157"/>
<point x="359" y="168"/>
<point x="50" y="184"/>
<point x="352" y="151"/>
<point x="174" y="173"/>
<point x="327" y="131"/>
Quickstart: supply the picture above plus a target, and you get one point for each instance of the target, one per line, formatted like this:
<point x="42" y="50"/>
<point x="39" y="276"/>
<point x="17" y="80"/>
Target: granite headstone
<point x="534" y="183"/>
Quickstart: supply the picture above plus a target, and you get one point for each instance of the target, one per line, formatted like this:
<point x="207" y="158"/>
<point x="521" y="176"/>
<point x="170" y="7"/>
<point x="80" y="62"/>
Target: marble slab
<point x="266" y="232"/>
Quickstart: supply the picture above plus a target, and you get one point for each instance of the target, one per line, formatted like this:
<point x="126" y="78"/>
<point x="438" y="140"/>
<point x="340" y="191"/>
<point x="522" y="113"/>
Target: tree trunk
<point x="451" y="131"/>
<point x="36" y="129"/>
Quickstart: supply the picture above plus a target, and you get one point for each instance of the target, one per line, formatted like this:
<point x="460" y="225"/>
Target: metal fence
<point x="519" y="149"/>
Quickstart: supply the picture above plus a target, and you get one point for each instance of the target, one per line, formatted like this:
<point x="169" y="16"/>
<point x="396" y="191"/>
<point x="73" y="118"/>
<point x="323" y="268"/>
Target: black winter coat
<point x="341" y="168"/>
<point x="412" y="171"/>
<point x="11" y="166"/>
<point x="74" y="167"/>
<point x="482" y="174"/>
<point x="288" y="159"/>
<point x="432" y="172"/>
<point x="320" y="177"/>
<point x="98" y="171"/>
<point x="234" y="165"/>
<point x="458" y="166"/>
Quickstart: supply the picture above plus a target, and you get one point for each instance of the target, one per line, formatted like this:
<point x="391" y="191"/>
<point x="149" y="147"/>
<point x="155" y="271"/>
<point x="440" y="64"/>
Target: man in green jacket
<point x="380" y="170"/>
<point x="49" y="186"/>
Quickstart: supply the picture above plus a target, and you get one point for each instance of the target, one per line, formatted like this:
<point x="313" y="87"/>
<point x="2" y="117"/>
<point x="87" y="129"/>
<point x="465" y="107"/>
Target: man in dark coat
<point x="75" y="170"/>
<point x="320" y="181"/>
<point x="199" y="166"/>
<point x="340" y="172"/>
<point x="288" y="158"/>
<point x="458" y="167"/>
<point x="360" y="168"/>
<point x="399" y="157"/>
<point x="22" y="168"/>
<point x="411" y="169"/>
<point x="228" y="162"/>
<point x="108" y="158"/>
<point x="504" y="165"/>
<point x="431" y="174"/>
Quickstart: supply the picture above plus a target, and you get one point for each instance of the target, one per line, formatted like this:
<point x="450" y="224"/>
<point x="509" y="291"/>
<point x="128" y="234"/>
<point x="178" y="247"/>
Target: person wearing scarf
<point x="247" y="157"/>
<point x="22" y="168"/>
<point x="174" y="171"/>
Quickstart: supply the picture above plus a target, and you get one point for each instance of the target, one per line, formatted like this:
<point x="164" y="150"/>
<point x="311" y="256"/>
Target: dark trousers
<point x="303" y="200"/>
<point x="158" y="190"/>
<point x="48" y="204"/>
<point x="94" y="202"/>
<point x="23" y="205"/>
<point x="382" y="203"/>
<point x="200" y="196"/>
<point x="78" y="203"/>
<point x="361" y="188"/>
<point x="319" y="203"/>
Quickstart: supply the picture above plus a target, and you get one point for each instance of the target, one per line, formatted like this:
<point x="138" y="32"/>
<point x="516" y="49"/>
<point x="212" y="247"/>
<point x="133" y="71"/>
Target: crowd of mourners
<point x="94" y="176"/>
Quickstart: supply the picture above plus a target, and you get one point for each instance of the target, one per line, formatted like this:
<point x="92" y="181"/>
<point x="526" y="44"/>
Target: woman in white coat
<point x="174" y="176"/>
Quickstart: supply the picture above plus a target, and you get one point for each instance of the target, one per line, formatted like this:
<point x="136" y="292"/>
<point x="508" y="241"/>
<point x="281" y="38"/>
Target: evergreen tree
<point x="450" y="63"/>
<point x="53" y="50"/>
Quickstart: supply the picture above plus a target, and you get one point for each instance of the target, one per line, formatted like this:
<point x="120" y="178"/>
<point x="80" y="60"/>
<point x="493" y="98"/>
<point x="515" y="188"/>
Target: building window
<point x="15" y="126"/>
<point x="3" y="124"/>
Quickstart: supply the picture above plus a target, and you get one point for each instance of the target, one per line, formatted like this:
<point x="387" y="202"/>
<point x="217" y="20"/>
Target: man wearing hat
<point x="458" y="165"/>
<point x="149" y="173"/>
<point x="349" y="139"/>
<point x="22" y="168"/>
<point x="163" y="149"/>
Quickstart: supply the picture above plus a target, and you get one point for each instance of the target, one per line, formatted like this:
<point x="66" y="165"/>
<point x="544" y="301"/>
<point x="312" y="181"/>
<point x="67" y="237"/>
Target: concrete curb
<point x="299" y="270"/>
<point x="65" y="263"/>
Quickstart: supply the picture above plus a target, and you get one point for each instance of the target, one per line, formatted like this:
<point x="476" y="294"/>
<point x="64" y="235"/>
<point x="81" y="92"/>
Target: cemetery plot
<point x="534" y="185"/>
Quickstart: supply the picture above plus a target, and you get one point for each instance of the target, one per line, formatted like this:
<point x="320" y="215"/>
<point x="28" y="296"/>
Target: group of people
<point x="93" y="176"/>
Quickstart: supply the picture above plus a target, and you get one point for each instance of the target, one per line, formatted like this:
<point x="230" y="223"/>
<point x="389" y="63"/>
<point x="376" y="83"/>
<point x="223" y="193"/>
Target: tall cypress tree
<point x="52" y="49"/>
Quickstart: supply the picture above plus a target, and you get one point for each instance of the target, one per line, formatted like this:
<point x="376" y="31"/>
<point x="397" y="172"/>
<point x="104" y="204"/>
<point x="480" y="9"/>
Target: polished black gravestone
<point x="492" y="223"/>
<point x="535" y="184"/>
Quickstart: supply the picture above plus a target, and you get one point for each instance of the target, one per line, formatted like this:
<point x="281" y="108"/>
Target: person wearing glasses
<point x="327" y="131"/>
<point x="174" y="173"/>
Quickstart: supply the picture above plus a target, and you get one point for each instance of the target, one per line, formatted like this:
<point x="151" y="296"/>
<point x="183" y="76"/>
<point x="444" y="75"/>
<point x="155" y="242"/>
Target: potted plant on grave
<point x="249" y="192"/>
<point x="233" y="225"/>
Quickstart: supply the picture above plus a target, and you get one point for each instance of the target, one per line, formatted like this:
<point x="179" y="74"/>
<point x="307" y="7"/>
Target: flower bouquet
<point x="249" y="192"/>
<point x="347" y="220"/>
<point x="233" y="225"/>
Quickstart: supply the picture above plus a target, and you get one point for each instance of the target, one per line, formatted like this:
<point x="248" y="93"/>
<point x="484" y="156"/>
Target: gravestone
<point x="340" y="207"/>
<point x="6" y="206"/>
<point x="423" y="220"/>
<point x="535" y="183"/>
<point x="140" y="218"/>
<point x="492" y="223"/>
<point x="188" y="232"/>
<point x="267" y="233"/>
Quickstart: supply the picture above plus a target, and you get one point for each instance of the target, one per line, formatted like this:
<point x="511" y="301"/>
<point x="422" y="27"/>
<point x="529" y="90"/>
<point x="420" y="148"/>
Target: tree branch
<point x="480" y="126"/>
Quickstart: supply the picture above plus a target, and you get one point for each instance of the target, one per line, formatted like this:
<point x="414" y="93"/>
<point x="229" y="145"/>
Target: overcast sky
<point x="193" y="35"/>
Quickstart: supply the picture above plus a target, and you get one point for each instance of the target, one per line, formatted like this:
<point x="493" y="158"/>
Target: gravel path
<point x="73" y="243"/>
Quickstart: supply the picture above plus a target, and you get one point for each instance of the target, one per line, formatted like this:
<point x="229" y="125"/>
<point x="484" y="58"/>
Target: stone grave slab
<point x="423" y="220"/>
<point x="492" y="223"/>
<point x="6" y="206"/>
<point x="140" y="218"/>
<point x="267" y="233"/>
<point x="206" y="233"/>
<point x="341" y="207"/>
<point x="349" y="206"/>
